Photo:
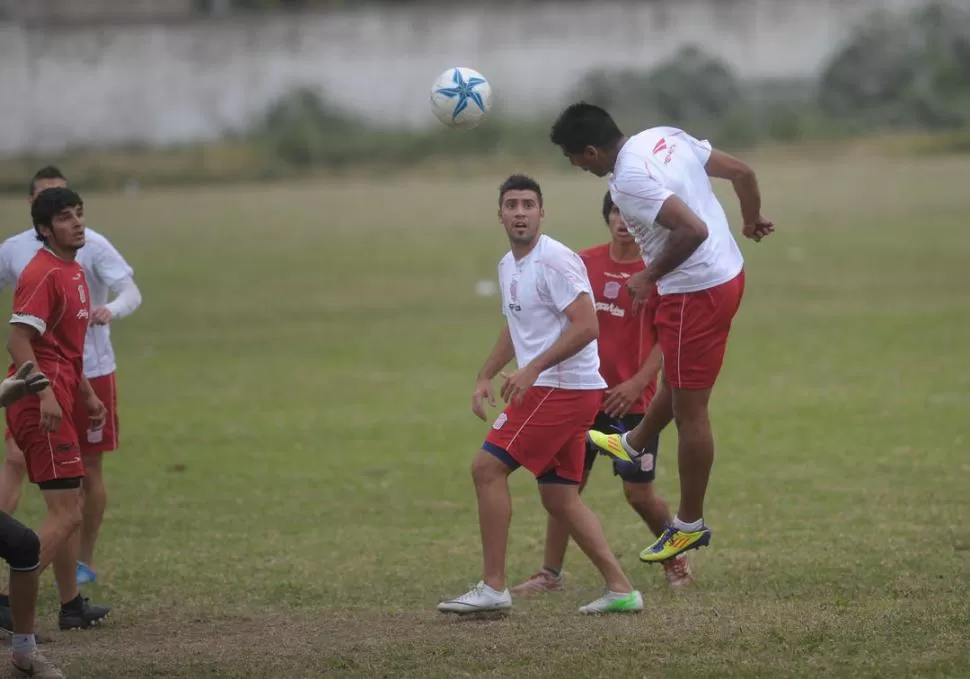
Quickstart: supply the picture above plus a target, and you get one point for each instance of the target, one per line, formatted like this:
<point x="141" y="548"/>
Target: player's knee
<point x="640" y="496"/>
<point x="14" y="458"/>
<point x="22" y="544"/>
<point x="559" y="499"/>
<point x="487" y="469"/>
<point x="690" y="407"/>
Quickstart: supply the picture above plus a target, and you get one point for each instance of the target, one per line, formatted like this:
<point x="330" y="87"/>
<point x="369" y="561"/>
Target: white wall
<point x="184" y="81"/>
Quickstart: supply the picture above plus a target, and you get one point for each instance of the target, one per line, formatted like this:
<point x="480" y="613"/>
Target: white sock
<point x="692" y="527"/>
<point x="631" y="451"/>
<point x="493" y="591"/>
<point x="23" y="644"/>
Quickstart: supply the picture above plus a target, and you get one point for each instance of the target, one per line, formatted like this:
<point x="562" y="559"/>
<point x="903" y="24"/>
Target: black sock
<point x="72" y="604"/>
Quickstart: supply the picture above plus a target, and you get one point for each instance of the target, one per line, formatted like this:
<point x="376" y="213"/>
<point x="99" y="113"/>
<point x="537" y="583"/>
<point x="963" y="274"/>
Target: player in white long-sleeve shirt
<point x="106" y="272"/>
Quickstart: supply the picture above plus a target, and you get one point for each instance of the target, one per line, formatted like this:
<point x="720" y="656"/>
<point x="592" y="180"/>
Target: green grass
<point x="307" y="353"/>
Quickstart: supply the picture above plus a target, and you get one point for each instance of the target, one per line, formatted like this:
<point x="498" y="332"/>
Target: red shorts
<point x="106" y="439"/>
<point x="692" y="330"/>
<point x="546" y="432"/>
<point x="48" y="455"/>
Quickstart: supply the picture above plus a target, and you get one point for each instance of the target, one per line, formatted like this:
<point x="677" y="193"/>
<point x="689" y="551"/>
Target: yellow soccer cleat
<point x="610" y="445"/>
<point x="673" y="542"/>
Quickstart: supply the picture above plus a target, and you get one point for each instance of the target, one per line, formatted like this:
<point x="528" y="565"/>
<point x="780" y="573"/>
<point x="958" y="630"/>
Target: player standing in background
<point x="20" y="548"/>
<point x="660" y="180"/>
<point x="631" y="375"/>
<point x="51" y="311"/>
<point x="106" y="270"/>
<point x="552" y="398"/>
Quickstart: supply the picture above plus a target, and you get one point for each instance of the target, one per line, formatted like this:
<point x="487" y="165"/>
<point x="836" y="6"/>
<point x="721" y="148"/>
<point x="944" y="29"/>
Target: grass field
<point x="293" y="498"/>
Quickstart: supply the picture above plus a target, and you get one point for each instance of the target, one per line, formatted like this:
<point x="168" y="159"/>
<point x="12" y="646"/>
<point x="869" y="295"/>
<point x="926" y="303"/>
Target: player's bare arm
<point x="621" y="398"/>
<point x="687" y="233"/>
<point x="583" y="329"/>
<point x="96" y="409"/>
<point x="502" y="354"/>
<point x="725" y="166"/>
<point x="21" y="352"/>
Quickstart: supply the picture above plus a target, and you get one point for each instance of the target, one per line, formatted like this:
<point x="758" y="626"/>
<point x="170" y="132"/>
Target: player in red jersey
<point x="629" y="362"/>
<point x="51" y="310"/>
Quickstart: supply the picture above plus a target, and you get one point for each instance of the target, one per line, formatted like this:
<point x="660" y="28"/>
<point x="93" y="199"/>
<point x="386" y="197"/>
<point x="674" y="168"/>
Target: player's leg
<point x="57" y="548"/>
<point x="625" y="448"/>
<point x="20" y="548"/>
<point x="94" y="443"/>
<point x="54" y="465"/>
<point x="95" y="502"/>
<point x="490" y="473"/>
<point x="12" y="474"/>
<point x="693" y="331"/>
<point x="559" y="489"/>
<point x="642" y="495"/>
<point x="550" y="577"/>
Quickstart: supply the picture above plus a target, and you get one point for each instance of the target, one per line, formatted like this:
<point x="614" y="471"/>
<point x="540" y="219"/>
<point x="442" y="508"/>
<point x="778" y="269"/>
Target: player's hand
<point x="101" y="316"/>
<point x="622" y="397"/>
<point x="640" y="285"/>
<point x="515" y="385"/>
<point x="50" y="411"/>
<point x="97" y="413"/>
<point x="22" y="383"/>
<point x="758" y="229"/>
<point x="483" y="391"/>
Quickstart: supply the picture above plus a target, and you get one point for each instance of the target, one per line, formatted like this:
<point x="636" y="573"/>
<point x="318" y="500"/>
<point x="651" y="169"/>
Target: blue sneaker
<point x="85" y="574"/>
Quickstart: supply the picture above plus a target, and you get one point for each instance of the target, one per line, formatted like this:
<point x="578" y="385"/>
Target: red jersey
<point x="52" y="297"/>
<point x="625" y="338"/>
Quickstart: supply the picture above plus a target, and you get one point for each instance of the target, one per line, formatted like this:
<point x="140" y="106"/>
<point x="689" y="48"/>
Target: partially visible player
<point x="106" y="271"/>
<point x="552" y="398"/>
<point x="629" y="362"/>
<point x="51" y="311"/>
<point x="661" y="181"/>
<point x="20" y="548"/>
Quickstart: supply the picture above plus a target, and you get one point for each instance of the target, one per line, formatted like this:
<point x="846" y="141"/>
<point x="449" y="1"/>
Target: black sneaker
<point x="82" y="614"/>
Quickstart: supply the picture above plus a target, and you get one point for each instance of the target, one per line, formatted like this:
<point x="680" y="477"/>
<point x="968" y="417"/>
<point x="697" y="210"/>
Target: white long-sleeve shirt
<point x="105" y="269"/>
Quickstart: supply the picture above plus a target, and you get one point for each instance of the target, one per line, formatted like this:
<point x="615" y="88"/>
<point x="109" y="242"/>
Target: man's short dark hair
<point x="46" y="172"/>
<point x="519" y="182"/>
<point x="582" y="125"/>
<point x="608" y="205"/>
<point x="48" y="203"/>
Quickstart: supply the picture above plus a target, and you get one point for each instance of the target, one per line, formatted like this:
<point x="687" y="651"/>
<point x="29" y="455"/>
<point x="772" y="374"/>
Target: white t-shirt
<point x="535" y="291"/>
<point x="104" y="268"/>
<point x="651" y="167"/>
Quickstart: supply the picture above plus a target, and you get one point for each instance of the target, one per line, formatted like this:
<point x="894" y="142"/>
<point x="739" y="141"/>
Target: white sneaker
<point x="479" y="599"/>
<point x="614" y="602"/>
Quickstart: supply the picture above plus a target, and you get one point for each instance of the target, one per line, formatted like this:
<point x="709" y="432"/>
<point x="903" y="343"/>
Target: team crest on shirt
<point x="611" y="290"/>
<point x="500" y="421"/>
<point x="514" y="296"/>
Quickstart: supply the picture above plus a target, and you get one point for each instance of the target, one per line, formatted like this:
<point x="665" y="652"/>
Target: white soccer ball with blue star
<point x="461" y="98"/>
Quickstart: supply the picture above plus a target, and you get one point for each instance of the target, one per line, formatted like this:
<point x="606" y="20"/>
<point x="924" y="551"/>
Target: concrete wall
<point x="182" y="81"/>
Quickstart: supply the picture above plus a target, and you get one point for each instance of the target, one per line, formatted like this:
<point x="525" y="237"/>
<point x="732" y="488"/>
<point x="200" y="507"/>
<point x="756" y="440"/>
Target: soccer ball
<point x="461" y="98"/>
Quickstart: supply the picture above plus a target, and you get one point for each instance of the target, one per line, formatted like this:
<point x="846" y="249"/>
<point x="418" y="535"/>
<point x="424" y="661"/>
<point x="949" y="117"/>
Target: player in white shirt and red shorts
<point x="553" y="397"/>
<point x="661" y="181"/>
<point x="106" y="271"/>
